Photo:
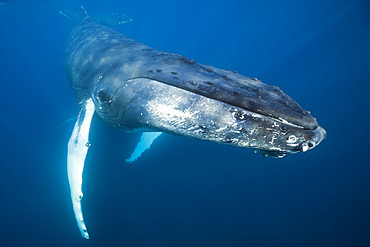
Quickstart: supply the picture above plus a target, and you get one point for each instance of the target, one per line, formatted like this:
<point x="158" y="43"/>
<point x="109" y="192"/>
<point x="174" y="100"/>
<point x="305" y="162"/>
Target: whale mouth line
<point x="280" y="119"/>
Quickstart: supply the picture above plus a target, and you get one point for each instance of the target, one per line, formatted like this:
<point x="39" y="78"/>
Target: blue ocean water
<point x="184" y="192"/>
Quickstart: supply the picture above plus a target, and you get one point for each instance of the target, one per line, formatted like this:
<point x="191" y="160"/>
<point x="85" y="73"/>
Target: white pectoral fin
<point x="146" y="140"/>
<point x="77" y="149"/>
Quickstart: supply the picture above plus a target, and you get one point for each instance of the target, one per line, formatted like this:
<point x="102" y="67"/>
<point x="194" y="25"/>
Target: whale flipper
<point x="146" y="140"/>
<point x="78" y="145"/>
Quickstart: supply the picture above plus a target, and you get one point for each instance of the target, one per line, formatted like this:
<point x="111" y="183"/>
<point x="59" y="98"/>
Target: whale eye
<point x="102" y="98"/>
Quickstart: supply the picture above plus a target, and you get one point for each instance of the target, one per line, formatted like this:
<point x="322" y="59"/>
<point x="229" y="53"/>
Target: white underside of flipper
<point x="146" y="140"/>
<point x="77" y="149"/>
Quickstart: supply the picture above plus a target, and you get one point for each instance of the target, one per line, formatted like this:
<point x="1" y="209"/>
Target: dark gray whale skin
<point x="137" y="88"/>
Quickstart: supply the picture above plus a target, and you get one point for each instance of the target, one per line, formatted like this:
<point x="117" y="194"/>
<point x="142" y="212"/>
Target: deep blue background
<point x="184" y="192"/>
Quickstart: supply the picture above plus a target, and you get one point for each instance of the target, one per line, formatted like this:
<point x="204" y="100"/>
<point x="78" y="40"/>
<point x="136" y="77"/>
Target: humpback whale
<point x="136" y="88"/>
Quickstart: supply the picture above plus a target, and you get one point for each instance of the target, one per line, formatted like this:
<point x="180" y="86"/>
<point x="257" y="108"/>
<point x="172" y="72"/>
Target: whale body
<point x="136" y="88"/>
